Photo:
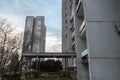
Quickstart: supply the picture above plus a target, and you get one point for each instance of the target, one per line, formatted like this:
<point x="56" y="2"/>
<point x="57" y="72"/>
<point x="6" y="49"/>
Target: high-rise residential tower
<point x="39" y="35"/>
<point x="34" y="37"/>
<point x="35" y="34"/>
<point x="67" y="34"/>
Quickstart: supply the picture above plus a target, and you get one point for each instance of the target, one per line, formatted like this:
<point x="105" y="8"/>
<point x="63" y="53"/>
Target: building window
<point x="65" y="21"/>
<point x="66" y="35"/>
<point x="65" y="14"/>
<point x="39" y="22"/>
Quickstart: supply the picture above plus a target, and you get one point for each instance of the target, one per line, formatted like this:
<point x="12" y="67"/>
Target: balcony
<point x="82" y="30"/>
<point x="73" y="34"/>
<point x="72" y="28"/>
<point x="73" y="45"/>
<point x="79" y="9"/>
<point x="71" y="19"/>
<point x="84" y="56"/>
<point x="84" y="53"/>
<point x="73" y="39"/>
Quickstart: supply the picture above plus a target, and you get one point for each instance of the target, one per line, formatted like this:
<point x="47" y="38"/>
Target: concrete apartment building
<point x="67" y="40"/>
<point x="91" y="29"/>
<point x="35" y="34"/>
<point x="34" y="38"/>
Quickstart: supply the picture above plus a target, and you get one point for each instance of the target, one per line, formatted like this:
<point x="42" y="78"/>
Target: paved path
<point x="50" y="77"/>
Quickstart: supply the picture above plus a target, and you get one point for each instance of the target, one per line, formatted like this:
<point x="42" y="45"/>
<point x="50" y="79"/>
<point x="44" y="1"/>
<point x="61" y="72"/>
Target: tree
<point x="10" y="45"/>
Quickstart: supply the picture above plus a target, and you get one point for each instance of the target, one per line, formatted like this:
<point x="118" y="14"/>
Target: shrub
<point x="37" y="79"/>
<point x="13" y="76"/>
<point x="48" y="65"/>
<point x="64" y="78"/>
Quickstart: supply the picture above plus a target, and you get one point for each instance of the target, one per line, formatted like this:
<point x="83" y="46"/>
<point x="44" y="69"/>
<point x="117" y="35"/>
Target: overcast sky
<point x="15" y="11"/>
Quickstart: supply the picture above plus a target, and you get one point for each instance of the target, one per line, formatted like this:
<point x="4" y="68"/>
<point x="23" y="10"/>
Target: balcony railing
<point x="82" y="30"/>
<point x="72" y="28"/>
<point x="73" y="45"/>
<point x="71" y="18"/>
<point x="73" y="34"/>
<point x="79" y="9"/>
<point x="84" y="53"/>
<point x="84" y="56"/>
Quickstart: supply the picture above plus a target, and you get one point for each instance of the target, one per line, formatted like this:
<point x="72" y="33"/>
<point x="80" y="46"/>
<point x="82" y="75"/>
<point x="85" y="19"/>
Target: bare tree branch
<point x="10" y="45"/>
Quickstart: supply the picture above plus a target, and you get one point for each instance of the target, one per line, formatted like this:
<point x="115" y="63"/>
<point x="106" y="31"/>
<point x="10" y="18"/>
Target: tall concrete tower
<point x="67" y="33"/>
<point x="39" y="35"/>
<point x="35" y="34"/>
<point x="28" y="34"/>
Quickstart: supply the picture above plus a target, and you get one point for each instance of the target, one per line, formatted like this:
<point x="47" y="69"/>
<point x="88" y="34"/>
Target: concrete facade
<point x="67" y="33"/>
<point x="39" y="35"/>
<point x="96" y="40"/>
<point x="34" y="38"/>
<point x="35" y="34"/>
<point x="28" y="34"/>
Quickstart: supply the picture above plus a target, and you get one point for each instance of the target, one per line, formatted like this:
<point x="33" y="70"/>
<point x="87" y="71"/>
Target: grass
<point x="37" y="79"/>
<point x="60" y="78"/>
<point x="64" y="78"/>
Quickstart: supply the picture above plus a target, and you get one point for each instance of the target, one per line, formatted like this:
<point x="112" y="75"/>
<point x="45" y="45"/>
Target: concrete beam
<point x="49" y="55"/>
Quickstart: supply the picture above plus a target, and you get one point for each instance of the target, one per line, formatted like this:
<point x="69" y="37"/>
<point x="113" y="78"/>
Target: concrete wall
<point x="102" y="40"/>
<point x="82" y="69"/>
<point x="63" y="32"/>
<point x="63" y="27"/>
<point x="103" y="50"/>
